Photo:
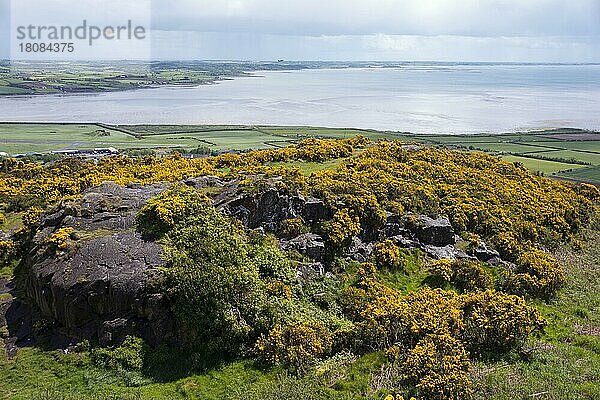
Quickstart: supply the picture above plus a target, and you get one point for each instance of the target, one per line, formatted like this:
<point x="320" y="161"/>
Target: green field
<point x="589" y="174"/>
<point x="563" y="153"/>
<point x="40" y="138"/>
<point x="544" y="166"/>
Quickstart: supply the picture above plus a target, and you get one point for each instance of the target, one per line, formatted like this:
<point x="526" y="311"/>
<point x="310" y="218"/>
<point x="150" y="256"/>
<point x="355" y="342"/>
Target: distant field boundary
<point x="534" y="146"/>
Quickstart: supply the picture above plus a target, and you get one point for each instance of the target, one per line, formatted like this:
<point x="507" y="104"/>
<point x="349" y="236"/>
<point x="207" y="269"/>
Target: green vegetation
<point x="544" y="166"/>
<point x="33" y="78"/>
<point x="563" y="153"/>
<point x="398" y="324"/>
<point x="567" y="154"/>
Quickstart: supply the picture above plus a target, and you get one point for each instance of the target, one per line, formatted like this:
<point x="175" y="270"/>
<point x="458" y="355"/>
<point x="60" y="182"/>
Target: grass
<point x="565" y="363"/>
<point x="544" y="166"/>
<point x="589" y="174"/>
<point x="591" y="158"/>
<point x="505" y="147"/>
<point x="11" y="221"/>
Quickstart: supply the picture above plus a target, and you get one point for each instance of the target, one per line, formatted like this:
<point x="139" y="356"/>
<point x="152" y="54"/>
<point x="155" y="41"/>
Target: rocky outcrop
<point x="358" y="250"/>
<point x="434" y="232"/>
<point x="308" y="244"/>
<point x="268" y="208"/>
<point x="100" y="286"/>
<point x="483" y="253"/>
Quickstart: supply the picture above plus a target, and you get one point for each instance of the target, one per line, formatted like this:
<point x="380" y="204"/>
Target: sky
<point x="378" y="30"/>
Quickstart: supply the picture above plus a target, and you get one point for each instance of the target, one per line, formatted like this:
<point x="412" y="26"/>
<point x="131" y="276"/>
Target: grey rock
<point x="308" y="244"/>
<point x="314" y="210"/>
<point x="266" y="209"/>
<point x="403" y="241"/>
<point x="270" y="207"/>
<point x="394" y="226"/>
<point x="100" y="288"/>
<point x="308" y="272"/>
<point x="358" y="250"/>
<point x="483" y="253"/>
<point x="204" y="182"/>
<point x="436" y="232"/>
<point x="448" y="252"/>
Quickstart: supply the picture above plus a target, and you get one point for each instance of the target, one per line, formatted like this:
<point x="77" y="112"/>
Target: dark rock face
<point x="485" y="254"/>
<point x="100" y="288"/>
<point x="269" y="208"/>
<point x="436" y="232"/>
<point x="266" y="209"/>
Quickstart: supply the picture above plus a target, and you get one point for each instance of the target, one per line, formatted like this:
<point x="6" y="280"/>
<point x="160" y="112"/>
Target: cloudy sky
<point x="450" y="30"/>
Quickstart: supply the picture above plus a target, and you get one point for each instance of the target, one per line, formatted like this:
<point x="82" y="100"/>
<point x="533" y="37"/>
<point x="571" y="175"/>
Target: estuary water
<point x="415" y="98"/>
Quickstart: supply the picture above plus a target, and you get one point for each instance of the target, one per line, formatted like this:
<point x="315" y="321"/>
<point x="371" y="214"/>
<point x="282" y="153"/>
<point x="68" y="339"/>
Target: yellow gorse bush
<point x="427" y="332"/>
<point x="7" y="251"/>
<point x="297" y="345"/>
<point x="438" y="367"/>
<point x="387" y="255"/>
<point x="465" y="275"/>
<point x="60" y="239"/>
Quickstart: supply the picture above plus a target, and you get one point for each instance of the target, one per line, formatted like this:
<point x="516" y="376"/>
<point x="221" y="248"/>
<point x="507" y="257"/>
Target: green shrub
<point x="292" y="227"/>
<point x="127" y="356"/>
<point x="217" y="277"/>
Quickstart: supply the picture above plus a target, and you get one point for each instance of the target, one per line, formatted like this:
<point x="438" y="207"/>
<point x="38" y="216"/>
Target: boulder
<point x="265" y="209"/>
<point x="203" y="182"/>
<point x="270" y="207"/>
<point x="314" y="210"/>
<point x="358" y="250"/>
<point x="308" y="244"/>
<point x="310" y="272"/>
<point x="435" y="232"/>
<point x="485" y="254"/>
<point x="448" y="252"/>
<point x="105" y="275"/>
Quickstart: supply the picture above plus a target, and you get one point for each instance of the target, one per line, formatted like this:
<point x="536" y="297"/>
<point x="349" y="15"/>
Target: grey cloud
<point x="407" y="17"/>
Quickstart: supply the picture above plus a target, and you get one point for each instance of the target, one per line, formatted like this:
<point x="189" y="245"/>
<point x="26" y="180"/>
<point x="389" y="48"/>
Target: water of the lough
<point x="415" y="98"/>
